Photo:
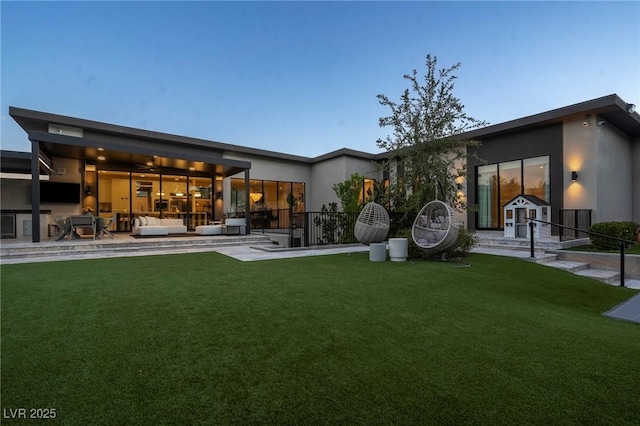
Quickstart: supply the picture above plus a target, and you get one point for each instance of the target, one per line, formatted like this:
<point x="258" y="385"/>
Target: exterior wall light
<point x="574" y="175"/>
<point x="631" y="108"/>
<point x="219" y="195"/>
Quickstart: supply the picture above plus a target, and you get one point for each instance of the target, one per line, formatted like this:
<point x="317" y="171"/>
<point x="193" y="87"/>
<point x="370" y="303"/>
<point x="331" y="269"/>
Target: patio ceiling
<point x="112" y="147"/>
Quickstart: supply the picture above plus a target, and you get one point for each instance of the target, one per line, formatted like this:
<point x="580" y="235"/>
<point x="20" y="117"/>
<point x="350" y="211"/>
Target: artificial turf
<point x="205" y="339"/>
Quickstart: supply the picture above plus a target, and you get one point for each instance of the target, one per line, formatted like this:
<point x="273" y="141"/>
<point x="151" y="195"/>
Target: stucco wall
<point x="325" y="174"/>
<point x="16" y="194"/>
<point x="635" y="179"/>
<point x="529" y="143"/>
<point x="580" y="154"/>
<point x="603" y="157"/>
<point x="272" y="169"/>
<point x="615" y="182"/>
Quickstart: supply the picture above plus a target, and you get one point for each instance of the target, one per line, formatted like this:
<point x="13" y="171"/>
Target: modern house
<point x="580" y="158"/>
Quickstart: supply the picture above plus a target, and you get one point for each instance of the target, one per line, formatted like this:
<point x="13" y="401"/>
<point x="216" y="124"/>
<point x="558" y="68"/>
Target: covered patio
<point x="165" y="173"/>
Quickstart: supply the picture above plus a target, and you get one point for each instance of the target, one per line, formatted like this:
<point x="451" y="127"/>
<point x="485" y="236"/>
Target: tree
<point x="425" y="143"/>
<point x="349" y="193"/>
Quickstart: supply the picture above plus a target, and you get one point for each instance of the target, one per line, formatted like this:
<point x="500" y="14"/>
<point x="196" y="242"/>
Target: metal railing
<point x="322" y="228"/>
<point x="306" y="228"/>
<point x="574" y="218"/>
<point x="622" y="241"/>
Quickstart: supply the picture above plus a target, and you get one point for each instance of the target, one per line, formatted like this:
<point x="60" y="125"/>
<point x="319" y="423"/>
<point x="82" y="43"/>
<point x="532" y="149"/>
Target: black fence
<point x="306" y="228"/>
<point x="324" y="228"/>
<point x="578" y="219"/>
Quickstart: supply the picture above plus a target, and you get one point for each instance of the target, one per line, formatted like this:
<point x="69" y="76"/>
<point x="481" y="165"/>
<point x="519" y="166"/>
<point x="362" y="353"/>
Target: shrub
<point x="465" y="242"/>
<point x="624" y="230"/>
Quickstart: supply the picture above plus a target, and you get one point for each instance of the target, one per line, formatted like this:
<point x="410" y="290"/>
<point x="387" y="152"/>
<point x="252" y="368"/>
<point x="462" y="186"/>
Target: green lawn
<point x="205" y="339"/>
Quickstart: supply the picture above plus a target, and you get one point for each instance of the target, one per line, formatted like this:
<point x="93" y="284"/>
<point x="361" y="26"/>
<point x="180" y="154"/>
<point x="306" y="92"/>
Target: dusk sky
<point x="302" y="77"/>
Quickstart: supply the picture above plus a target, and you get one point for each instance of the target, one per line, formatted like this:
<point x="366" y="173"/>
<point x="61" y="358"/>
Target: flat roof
<point x="611" y="108"/>
<point x="122" y="139"/>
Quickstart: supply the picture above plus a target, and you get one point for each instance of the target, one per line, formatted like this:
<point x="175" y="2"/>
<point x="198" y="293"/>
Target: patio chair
<point x="59" y="222"/>
<point x="106" y="226"/>
<point x="82" y="222"/>
<point x="372" y="225"/>
<point x="435" y="228"/>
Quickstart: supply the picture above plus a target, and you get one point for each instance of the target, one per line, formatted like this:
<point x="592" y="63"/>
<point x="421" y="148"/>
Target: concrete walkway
<point x="627" y="311"/>
<point x="526" y="255"/>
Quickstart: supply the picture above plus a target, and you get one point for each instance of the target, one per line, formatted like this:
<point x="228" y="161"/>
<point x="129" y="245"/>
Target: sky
<point x="302" y="77"/>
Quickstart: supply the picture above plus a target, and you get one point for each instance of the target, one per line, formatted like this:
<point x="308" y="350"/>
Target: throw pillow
<point x="142" y="220"/>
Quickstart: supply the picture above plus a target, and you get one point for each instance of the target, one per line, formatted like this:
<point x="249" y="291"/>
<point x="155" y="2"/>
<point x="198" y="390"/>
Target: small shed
<point x="516" y="214"/>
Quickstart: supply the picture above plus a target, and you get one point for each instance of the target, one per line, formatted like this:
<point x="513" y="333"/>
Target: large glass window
<point x="201" y="201"/>
<point x="237" y="206"/>
<point x="297" y="192"/>
<point x="269" y="201"/>
<point x="147" y="189"/>
<point x="510" y="183"/>
<point x="149" y="194"/>
<point x="114" y="197"/>
<point x="500" y="183"/>
<point x="367" y="190"/>
<point x="488" y="196"/>
<point x="536" y="177"/>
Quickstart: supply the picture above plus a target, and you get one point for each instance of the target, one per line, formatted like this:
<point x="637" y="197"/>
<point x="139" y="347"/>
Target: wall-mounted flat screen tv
<point x="59" y="192"/>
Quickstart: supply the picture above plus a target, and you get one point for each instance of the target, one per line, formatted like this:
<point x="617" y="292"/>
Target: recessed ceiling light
<point x="149" y="163"/>
<point x="101" y="158"/>
<point x="192" y="168"/>
<point x="100" y="149"/>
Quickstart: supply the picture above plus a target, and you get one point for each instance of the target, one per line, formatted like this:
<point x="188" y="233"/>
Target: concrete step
<point x="568" y="266"/>
<point x="604" y="275"/>
<point x="82" y="249"/>
<point x="510" y="247"/>
<point x="519" y="245"/>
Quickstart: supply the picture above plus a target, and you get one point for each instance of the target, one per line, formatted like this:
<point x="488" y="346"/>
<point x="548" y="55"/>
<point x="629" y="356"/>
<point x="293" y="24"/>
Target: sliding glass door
<point x="499" y="183"/>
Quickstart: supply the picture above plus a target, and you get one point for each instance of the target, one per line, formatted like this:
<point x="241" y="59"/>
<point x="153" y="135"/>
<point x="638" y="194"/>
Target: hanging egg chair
<point x="372" y="225"/>
<point x="435" y="228"/>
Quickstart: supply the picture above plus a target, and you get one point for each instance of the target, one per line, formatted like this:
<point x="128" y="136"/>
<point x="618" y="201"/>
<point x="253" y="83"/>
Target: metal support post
<point x="531" y="236"/>
<point x="621" y="264"/>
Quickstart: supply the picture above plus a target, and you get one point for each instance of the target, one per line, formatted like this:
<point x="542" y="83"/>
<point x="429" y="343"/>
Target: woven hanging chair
<point x="435" y="228"/>
<point x="372" y="225"/>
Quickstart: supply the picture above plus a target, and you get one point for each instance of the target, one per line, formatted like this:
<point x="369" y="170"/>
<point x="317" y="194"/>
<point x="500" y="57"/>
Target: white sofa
<point x="209" y="229"/>
<point x="148" y="225"/>
<point x="235" y="226"/>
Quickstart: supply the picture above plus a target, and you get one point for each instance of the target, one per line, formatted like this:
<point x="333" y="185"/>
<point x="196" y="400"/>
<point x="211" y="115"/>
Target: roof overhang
<point x="611" y="108"/>
<point x="123" y="148"/>
<point x="15" y="163"/>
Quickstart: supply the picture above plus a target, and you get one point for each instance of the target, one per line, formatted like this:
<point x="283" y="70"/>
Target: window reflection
<point x="497" y="184"/>
<point x="269" y="202"/>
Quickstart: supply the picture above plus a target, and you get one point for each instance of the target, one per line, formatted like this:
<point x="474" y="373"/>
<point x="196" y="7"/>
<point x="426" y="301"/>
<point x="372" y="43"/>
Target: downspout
<point x="247" y="213"/>
<point x="35" y="191"/>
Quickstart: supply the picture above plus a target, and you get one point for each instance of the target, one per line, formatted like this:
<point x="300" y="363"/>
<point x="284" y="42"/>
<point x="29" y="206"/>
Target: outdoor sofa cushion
<point x="209" y="229"/>
<point x="154" y="226"/>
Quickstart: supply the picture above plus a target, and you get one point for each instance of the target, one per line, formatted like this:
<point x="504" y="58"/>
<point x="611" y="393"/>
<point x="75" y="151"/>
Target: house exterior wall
<point x="16" y="197"/>
<point x="535" y="142"/>
<point x="635" y="179"/>
<point x="263" y="168"/>
<point x="324" y="175"/>
<point x="580" y="155"/>
<point x="602" y="156"/>
<point x="16" y="194"/>
<point x="614" y="175"/>
<point x="327" y="173"/>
